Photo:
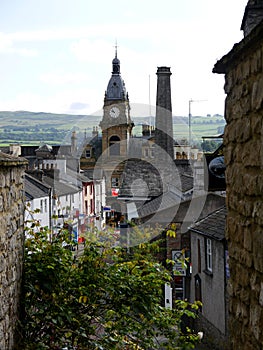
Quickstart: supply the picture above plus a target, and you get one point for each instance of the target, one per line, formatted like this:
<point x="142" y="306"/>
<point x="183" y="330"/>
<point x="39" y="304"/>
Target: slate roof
<point x="34" y="188"/>
<point x="185" y="212"/>
<point x="140" y="178"/>
<point x="213" y="225"/>
<point x="95" y="142"/>
<point x="184" y="183"/>
<point x="165" y="201"/>
<point x="60" y="188"/>
<point x="78" y="178"/>
<point x="44" y="148"/>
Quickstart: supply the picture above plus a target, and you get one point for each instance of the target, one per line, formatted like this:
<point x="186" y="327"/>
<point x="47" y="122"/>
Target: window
<point x="114" y="182"/>
<point x="198" y="289"/>
<point x="91" y="206"/>
<point x="41" y="205"/>
<point x="146" y="152"/>
<point x="208" y="254"/>
<point x="114" y="144"/>
<point x="88" y="153"/>
<point x="198" y="256"/>
<point x="45" y="205"/>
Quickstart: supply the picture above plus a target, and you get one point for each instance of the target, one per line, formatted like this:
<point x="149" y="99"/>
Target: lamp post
<point x="189" y="122"/>
<point x="190" y="118"/>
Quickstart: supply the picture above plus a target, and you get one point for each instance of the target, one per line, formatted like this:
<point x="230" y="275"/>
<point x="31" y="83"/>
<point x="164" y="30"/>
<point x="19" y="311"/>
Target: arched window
<point x="114" y="145"/>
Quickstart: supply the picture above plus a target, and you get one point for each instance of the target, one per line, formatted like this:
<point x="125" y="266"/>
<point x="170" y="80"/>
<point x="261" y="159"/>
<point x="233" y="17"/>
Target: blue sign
<point x="108" y="208"/>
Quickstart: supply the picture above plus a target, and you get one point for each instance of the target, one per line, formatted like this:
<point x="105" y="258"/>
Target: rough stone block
<point x="258" y="249"/>
<point x="248" y="239"/>
<point x="256" y="62"/>
<point x="256" y="315"/>
<point x="257" y="94"/>
<point x="250" y="149"/>
<point x="11" y="246"/>
<point x="261" y="294"/>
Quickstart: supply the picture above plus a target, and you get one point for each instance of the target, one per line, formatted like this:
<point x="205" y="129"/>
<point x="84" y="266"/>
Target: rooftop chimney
<point x="164" y="121"/>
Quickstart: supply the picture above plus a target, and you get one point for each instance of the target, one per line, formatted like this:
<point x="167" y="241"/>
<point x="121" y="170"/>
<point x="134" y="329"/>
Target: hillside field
<point x="36" y="128"/>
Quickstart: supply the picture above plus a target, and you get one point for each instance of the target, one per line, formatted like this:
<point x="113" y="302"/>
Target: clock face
<point x="114" y="112"/>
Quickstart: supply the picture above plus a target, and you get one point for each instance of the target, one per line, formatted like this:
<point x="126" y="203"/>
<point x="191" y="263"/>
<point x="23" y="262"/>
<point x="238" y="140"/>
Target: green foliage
<point x="106" y="298"/>
<point x="30" y="127"/>
<point x="210" y="145"/>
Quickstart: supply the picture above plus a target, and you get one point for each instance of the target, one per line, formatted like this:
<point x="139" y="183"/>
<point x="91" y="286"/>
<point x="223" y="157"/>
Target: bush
<point x="104" y="299"/>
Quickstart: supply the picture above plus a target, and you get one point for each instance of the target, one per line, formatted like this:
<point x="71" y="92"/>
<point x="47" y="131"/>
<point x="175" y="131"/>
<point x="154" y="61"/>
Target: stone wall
<point x="243" y="139"/>
<point x="11" y="245"/>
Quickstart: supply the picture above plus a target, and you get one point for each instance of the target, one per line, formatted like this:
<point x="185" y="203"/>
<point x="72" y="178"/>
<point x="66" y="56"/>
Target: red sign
<point x="114" y="192"/>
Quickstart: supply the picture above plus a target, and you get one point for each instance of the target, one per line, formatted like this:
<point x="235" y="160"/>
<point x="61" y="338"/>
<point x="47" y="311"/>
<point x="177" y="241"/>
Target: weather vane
<point x="116" y="47"/>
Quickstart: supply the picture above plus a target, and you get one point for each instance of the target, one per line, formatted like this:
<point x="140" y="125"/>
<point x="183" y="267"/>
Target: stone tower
<point x="164" y="121"/>
<point x="116" y="127"/>
<point x="116" y="124"/>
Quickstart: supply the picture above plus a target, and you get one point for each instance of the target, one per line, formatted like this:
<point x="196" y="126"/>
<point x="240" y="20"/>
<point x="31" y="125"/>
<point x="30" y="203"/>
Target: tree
<point x="209" y="145"/>
<point x="106" y="298"/>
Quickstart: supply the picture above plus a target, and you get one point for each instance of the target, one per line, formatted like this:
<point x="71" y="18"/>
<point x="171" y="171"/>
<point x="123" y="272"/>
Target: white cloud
<point x="7" y="47"/>
<point x="62" y="78"/>
<point x="92" y="50"/>
<point x="59" y="102"/>
<point x="190" y="45"/>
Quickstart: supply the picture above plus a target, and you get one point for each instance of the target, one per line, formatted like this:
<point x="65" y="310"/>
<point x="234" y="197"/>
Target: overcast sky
<point x="56" y="54"/>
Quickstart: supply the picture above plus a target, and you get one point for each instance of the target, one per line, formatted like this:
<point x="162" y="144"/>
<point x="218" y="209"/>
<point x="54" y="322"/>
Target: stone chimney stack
<point x="95" y="131"/>
<point x="164" y="121"/>
<point x="253" y="16"/>
<point x="73" y="142"/>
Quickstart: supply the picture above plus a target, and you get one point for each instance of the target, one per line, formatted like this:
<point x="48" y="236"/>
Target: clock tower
<point x="116" y="124"/>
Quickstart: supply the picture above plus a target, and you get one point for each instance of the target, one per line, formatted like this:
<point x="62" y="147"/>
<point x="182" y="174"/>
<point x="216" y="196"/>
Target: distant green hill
<point x="37" y="127"/>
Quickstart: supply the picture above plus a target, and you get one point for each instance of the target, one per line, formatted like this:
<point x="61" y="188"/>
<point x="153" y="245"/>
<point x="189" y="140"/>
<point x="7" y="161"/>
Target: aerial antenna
<point x="150" y="110"/>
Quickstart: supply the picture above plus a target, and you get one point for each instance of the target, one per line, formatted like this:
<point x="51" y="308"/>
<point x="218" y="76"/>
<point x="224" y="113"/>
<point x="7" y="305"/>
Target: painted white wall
<point x="42" y="217"/>
<point x="65" y="207"/>
<point x="88" y="195"/>
<point x="100" y="201"/>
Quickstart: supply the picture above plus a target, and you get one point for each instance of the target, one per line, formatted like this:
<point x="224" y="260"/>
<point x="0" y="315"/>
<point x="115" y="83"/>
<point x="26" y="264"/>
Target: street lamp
<point x="190" y="117"/>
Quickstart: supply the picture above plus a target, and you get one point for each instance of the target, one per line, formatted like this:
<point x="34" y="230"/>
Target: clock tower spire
<point x="116" y="89"/>
<point x="116" y="62"/>
<point x="116" y="124"/>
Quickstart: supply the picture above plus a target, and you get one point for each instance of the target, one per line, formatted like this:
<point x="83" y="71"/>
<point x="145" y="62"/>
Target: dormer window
<point x="88" y="153"/>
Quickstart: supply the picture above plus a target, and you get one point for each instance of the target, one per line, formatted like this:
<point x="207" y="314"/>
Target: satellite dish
<point x="217" y="167"/>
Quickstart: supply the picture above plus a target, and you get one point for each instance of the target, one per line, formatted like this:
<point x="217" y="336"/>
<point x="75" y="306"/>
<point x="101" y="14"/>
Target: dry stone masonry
<point x="243" y="140"/>
<point x="11" y="245"/>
